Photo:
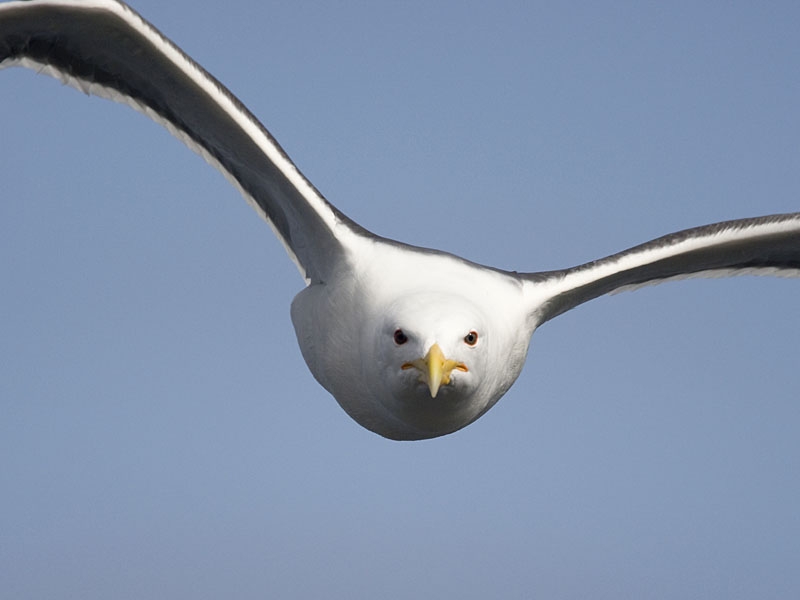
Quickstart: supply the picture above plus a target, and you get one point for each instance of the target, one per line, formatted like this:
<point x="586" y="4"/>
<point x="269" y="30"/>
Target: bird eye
<point x="471" y="338"/>
<point x="400" y="338"/>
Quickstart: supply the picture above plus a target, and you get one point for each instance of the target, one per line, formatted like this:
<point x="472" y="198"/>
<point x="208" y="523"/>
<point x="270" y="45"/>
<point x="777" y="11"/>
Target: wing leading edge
<point x="759" y="246"/>
<point x="103" y="47"/>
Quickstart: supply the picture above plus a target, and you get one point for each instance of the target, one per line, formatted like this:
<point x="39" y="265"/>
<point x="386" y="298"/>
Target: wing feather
<point x="759" y="246"/>
<point x="103" y="47"/>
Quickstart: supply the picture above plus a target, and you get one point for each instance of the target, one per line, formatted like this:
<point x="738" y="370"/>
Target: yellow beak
<point x="435" y="369"/>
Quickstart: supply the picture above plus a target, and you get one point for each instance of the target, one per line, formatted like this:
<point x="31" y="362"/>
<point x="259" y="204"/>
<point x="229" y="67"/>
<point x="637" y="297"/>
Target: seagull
<point x="413" y="343"/>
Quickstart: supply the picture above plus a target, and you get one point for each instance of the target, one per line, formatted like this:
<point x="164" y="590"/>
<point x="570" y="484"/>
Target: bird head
<point x="432" y="355"/>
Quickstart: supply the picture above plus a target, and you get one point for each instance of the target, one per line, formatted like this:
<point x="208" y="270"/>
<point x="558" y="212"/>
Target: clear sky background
<point x="160" y="435"/>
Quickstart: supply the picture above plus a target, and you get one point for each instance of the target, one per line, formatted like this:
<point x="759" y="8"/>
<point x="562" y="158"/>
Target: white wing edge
<point x="542" y="288"/>
<point x="177" y="57"/>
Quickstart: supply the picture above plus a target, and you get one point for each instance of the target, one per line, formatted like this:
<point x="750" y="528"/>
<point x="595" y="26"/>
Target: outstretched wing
<point x="760" y="246"/>
<point x="103" y="47"/>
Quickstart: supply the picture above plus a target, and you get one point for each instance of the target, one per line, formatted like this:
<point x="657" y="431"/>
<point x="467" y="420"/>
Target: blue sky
<point x="161" y="436"/>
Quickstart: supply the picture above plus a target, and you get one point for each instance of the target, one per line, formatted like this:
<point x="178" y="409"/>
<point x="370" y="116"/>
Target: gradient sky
<point x="160" y="435"/>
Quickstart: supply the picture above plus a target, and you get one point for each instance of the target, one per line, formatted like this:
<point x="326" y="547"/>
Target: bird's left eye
<point x="471" y="338"/>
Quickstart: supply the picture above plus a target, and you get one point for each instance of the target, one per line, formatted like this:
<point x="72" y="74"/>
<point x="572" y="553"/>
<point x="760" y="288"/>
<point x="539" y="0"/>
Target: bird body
<point x="413" y="343"/>
<point x="436" y="298"/>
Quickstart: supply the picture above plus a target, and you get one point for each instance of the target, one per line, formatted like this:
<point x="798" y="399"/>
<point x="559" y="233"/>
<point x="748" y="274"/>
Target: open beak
<point x="435" y="369"/>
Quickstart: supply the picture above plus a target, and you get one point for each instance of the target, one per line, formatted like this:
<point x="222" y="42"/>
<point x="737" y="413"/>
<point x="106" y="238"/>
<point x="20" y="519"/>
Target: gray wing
<point x="760" y="246"/>
<point x="103" y="47"/>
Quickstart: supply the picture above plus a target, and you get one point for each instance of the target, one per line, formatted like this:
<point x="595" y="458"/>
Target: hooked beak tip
<point x="435" y="369"/>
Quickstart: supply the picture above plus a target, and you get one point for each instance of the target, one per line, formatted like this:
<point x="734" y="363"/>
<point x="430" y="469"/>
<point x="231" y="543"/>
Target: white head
<point x="441" y="361"/>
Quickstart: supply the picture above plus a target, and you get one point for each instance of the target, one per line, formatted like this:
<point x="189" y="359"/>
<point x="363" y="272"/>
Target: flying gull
<point x="413" y="343"/>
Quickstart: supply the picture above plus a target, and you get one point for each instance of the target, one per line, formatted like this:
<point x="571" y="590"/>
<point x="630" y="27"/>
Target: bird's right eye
<point x="400" y="338"/>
